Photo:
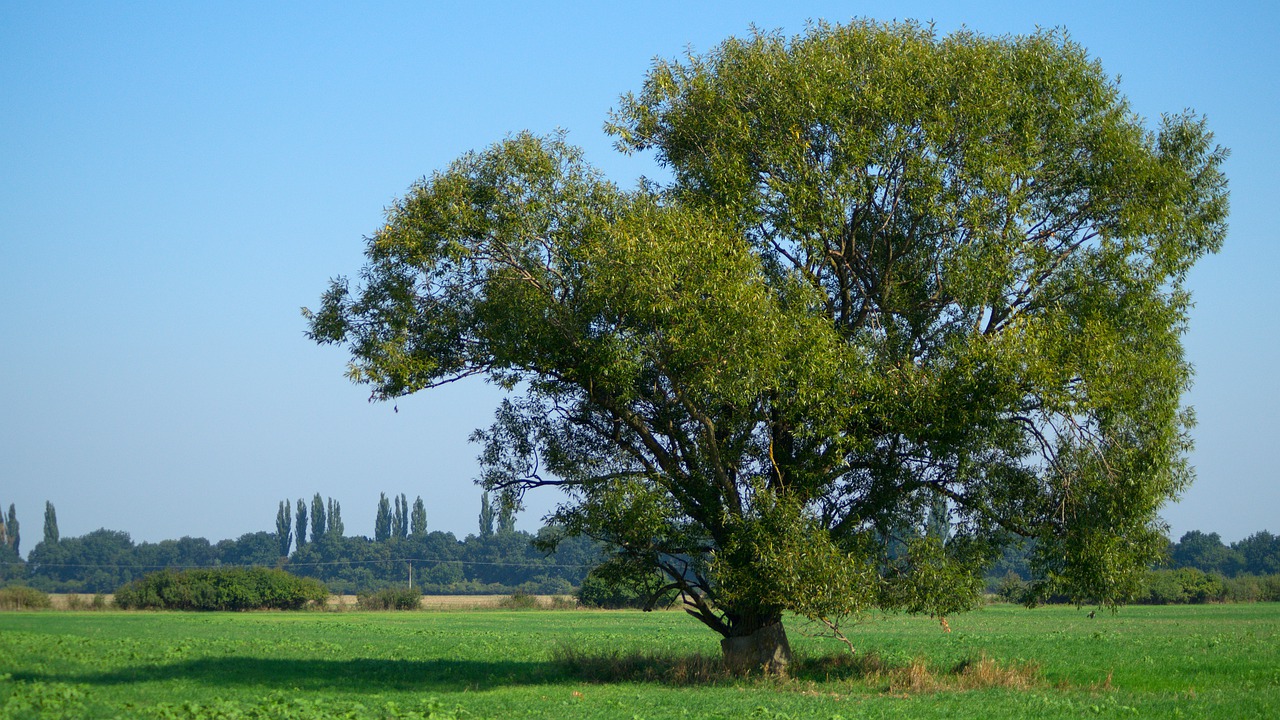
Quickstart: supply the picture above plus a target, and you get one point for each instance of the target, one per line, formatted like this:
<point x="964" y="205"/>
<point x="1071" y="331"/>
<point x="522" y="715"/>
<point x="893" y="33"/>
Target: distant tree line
<point x="103" y="560"/>
<point x="1258" y="554"/>
<point x="1197" y="568"/>
<point x="309" y="541"/>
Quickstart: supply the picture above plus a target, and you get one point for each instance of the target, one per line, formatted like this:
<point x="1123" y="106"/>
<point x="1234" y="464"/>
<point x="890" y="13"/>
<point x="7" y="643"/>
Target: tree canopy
<point x="892" y="272"/>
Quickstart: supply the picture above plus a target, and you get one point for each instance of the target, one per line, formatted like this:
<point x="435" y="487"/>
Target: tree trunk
<point x="765" y="650"/>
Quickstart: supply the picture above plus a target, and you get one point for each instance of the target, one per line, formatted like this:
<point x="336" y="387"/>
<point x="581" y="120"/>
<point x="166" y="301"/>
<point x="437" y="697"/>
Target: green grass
<point x="1194" y="662"/>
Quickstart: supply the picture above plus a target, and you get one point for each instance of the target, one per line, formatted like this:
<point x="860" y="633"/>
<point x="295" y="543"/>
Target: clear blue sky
<point x="177" y="179"/>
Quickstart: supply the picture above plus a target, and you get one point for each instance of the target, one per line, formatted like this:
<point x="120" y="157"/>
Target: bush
<point x="1252" y="588"/>
<point x="19" y="597"/>
<point x="234" y="588"/>
<point x="564" y="602"/>
<point x="1184" y="585"/>
<point x="519" y="600"/>
<point x="1199" y="586"/>
<point x="390" y="599"/>
<point x="1270" y="588"/>
<point x="1242" y="588"/>
<point x="1162" y="588"/>
<point x="1012" y="588"/>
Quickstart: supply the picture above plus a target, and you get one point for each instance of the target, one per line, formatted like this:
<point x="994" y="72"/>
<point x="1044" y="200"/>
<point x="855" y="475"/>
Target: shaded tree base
<point x="764" y="650"/>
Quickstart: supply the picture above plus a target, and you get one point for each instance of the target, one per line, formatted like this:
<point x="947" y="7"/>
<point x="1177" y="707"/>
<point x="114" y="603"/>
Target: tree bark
<point x="764" y="650"/>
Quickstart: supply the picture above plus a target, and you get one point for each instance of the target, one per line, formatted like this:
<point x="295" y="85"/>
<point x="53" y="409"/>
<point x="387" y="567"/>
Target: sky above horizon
<point x="179" y="179"/>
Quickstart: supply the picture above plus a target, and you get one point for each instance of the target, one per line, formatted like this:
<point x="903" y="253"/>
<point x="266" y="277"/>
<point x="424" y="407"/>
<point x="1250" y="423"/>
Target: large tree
<point x="1207" y="552"/>
<point x="892" y="271"/>
<point x="1260" y="553"/>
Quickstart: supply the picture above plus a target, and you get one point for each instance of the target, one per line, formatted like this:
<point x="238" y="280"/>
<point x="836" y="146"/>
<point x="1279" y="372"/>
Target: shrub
<point x="390" y="599"/>
<point x="1184" y="585"/>
<point x="1012" y="588"/>
<point x="1200" y="586"/>
<point x="19" y="597"/>
<point x="1162" y="588"/>
<point x="1242" y="588"/>
<point x="519" y="600"/>
<point x="564" y="602"/>
<point x="233" y="588"/>
<point x="1270" y="588"/>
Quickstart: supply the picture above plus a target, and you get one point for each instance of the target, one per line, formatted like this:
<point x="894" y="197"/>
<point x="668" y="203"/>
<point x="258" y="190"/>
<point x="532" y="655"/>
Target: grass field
<point x="1217" y="661"/>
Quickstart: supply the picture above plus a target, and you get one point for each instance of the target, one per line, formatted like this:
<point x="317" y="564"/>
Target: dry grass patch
<point x="981" y="674"/>
<point x="986" y="673"/>
<point x="83" y="601"/>
<point x="913" y="679"/>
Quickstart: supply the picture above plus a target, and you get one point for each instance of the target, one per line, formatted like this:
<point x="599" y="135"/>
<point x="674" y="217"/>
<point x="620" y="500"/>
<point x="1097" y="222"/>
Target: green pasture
<point x="1216" y="661"/>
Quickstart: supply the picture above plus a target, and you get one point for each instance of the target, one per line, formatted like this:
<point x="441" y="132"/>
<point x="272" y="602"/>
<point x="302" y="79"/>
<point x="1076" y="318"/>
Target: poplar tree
<point x="50" y="524"/>
<point x="506" y="516"/>
<point x="284" y="528"/>
<point x="418" y="521"/>
<point x="486" y="515"/>
<point x="300" y="523"/>
<point x="402" y="516"/>
<point x="382" y="523"/>
<point x="395" y="518"/>
<point x="318" y="526"/>
<point x="14" y="536"/>
<point x="336" y="529"/>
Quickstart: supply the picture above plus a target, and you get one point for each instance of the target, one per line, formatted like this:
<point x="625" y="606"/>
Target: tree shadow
<point x="640" y="667"/>
<point x="374" y="676"/>
<point x="356" y="676"/>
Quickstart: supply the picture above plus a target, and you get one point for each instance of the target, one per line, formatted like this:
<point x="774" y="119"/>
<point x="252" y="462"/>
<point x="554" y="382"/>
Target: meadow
<point x="1208" y="661"/>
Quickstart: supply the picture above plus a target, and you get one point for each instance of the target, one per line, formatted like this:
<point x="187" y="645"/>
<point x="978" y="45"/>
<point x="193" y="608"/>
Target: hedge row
<point x="1189" y="585"/>
<point x="252" y="588"/>
<point x="18" y="597"/>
